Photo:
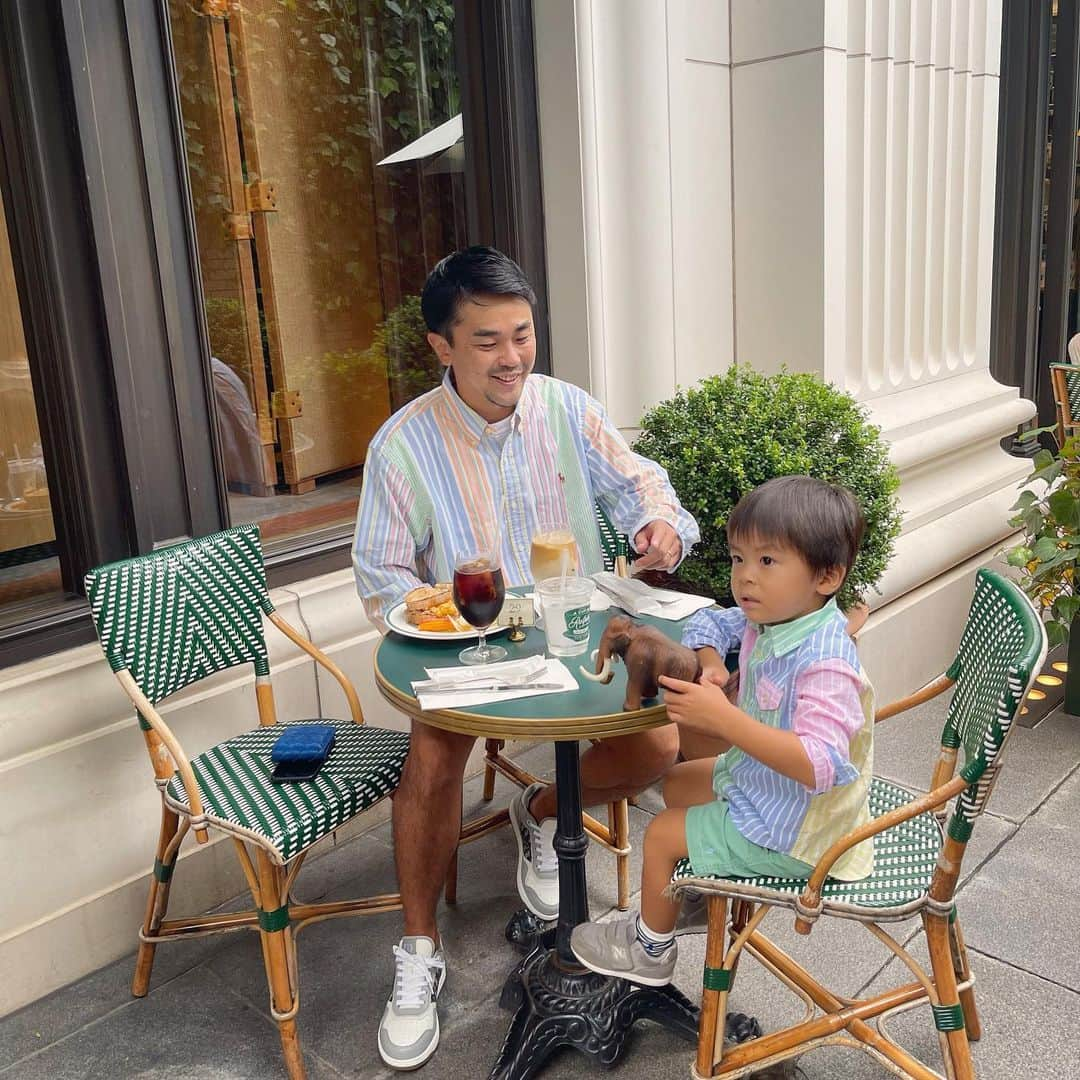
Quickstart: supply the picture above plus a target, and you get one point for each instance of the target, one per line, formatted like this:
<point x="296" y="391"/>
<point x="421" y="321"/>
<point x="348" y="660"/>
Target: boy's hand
<point x="696" y="706"/>
<point x="728" y="681"/>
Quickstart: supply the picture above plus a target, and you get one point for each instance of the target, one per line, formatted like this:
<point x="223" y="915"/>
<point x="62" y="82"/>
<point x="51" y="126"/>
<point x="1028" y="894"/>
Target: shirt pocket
<point x="769" y="695"/>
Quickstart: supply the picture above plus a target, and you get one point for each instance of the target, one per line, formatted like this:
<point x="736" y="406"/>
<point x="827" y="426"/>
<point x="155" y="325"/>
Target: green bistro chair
<point x="615" y="835"/>
<point x="169" y="619"/>
<point x="916" y="870"/>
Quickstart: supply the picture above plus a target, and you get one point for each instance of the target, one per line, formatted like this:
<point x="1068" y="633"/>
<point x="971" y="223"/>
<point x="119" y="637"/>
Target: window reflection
<point x="29" y="567"/>
<point x="324" y="148"/>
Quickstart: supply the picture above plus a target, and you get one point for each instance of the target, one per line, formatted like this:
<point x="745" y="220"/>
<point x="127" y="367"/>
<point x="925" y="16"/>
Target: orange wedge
<point x="436" y="625"/>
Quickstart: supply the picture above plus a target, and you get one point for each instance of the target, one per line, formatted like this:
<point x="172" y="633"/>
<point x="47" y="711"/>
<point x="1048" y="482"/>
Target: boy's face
<point x="492" y="349"/>
<point x="773" y="583"/>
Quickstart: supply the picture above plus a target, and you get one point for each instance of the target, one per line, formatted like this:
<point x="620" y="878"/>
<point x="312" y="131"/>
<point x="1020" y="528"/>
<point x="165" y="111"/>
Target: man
<point x="485" y="457"/>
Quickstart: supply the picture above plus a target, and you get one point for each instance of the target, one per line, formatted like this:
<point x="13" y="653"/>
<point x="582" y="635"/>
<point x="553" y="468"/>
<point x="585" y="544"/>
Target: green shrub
<point x="732" y="432"/>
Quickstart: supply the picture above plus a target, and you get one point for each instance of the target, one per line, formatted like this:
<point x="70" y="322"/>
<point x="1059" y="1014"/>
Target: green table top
<point x="593" y="711"/>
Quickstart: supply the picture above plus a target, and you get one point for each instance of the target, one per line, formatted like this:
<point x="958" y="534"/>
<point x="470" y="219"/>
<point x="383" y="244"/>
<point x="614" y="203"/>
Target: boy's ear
<point x="830" y="580"/>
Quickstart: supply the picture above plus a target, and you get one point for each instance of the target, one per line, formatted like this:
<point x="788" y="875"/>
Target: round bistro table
<point x="556" y="1001"/>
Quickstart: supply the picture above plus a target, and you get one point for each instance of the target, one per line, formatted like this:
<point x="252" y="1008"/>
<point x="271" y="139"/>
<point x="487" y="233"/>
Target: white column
<point x="799" y="183"/>
<point x="634" y="124"/>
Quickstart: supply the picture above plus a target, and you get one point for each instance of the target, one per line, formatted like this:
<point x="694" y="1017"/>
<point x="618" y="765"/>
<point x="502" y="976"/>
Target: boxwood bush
<point x="734" y="431"/>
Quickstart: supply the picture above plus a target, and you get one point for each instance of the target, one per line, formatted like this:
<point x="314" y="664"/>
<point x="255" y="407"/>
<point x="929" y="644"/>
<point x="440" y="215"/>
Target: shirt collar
<point x="781" y="638"/>
<point x="472" y="423"/>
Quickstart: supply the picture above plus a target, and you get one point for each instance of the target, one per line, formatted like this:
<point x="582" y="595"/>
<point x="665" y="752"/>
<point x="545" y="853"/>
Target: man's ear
<point x="830" y="580"/>
<point x="441" y="347"/>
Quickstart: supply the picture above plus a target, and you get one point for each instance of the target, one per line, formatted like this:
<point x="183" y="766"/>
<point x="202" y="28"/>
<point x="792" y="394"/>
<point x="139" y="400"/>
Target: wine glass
<point x="479" y="591"/>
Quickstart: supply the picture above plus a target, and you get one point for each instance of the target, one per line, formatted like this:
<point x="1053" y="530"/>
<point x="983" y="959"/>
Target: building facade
<point x="217" y="222"/>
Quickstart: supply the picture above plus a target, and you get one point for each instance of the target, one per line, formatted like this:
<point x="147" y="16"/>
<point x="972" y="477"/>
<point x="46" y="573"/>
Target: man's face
<point x="491" y="352"/>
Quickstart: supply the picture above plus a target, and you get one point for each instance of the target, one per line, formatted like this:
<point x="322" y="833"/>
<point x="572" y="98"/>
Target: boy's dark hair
<point x="821" y="521"/>
<point x="473" y="271"/>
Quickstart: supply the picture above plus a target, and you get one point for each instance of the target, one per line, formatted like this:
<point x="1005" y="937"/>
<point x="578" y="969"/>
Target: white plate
<point x="395" y="619"/>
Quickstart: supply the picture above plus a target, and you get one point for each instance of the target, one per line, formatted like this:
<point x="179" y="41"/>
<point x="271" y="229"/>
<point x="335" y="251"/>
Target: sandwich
<point x="432" y="607"/>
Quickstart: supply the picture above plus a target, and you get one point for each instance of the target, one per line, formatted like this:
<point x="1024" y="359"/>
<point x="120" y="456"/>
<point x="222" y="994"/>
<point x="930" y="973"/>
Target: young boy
<point x="796" y="774"/>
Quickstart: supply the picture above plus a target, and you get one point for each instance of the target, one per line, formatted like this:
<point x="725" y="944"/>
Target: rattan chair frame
<point x="832" y="1018"/>
<point x="1065" y="380"/>
<point x="275" y="916"/>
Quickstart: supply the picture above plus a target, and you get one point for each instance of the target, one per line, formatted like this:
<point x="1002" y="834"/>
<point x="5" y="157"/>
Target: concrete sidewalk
<point x="207" y="1014"/>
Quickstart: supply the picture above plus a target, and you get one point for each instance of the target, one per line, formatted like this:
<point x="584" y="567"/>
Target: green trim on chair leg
<point x="948" y="1017"/>
<point x="271" y="921"/>
<point x="162" y="872"/>
<point x="716" y="978"/>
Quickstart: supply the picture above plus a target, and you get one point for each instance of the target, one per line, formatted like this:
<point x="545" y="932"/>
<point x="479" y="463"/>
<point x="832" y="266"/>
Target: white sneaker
<point x="538" y="867"/>
<point x="409" y="1029"/>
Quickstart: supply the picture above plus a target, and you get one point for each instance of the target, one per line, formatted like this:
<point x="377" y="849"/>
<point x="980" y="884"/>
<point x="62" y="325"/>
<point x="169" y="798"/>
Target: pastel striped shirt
<point x="802" y="676"/>
<point x="439" y="479"/>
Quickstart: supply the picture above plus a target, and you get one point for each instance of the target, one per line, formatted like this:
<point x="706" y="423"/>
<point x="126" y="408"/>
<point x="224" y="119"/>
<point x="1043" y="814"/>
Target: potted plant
<point x="1048" y="512"/>
<point x="734" y="431"/>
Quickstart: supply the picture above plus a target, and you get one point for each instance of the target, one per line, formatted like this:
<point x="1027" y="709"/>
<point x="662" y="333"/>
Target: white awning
<point x="431" y="142"/>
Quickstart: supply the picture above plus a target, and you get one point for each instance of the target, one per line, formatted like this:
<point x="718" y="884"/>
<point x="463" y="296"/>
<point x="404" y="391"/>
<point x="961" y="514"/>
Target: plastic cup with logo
<point x="564" y="604"/>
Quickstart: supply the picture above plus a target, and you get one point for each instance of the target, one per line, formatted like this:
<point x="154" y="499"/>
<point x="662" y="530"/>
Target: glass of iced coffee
<point x="554" y="550"/>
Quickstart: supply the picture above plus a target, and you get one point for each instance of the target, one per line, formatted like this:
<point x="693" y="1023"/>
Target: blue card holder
<point x="306" y="742"/>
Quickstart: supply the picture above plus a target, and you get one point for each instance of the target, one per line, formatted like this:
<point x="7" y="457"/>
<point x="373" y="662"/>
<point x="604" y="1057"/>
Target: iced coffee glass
<point x="554" y="550"/>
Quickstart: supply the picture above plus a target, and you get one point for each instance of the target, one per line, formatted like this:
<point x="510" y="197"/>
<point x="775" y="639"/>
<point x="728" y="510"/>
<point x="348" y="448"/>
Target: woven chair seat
<point x="238" y="796"/>
<point x="904" y="861"/>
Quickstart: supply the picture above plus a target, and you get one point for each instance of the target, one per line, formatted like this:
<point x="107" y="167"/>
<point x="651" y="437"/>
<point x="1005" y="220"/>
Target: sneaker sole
<point x="408" y="1064"/>
<point x="548" y="914"/>
<point x="641" y="980"/>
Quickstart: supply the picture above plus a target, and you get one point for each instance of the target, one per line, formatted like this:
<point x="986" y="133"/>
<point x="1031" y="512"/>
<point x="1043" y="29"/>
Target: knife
<point x="481" y="688"/>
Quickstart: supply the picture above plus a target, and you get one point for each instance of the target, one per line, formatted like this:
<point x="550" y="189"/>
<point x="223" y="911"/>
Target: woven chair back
<point x="173" y="617"/>
<point x="1001" y="651"/>
<point x="609" y="538"/>
<point x="1070" y="375"/>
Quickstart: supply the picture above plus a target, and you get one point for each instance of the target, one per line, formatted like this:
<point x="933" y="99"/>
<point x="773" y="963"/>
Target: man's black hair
<point x="471" y="272"/>
<point x="821" y="521"/>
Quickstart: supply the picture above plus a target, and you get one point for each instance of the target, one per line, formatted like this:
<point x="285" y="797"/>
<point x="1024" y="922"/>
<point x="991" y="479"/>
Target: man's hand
<point x="698" y="707"/>
<point x="659" y="547"/>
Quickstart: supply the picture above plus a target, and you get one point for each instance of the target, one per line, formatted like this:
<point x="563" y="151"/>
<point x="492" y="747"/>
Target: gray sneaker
<point x="693" y="917"/>
<point x="538" y="866"/>
<point x="612" y="948"/>
<point x="409" y="1030"/>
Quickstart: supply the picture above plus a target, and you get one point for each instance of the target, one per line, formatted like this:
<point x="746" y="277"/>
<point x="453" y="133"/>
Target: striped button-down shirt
<point x="802" y="676"/>
<point x="439" y="480"/>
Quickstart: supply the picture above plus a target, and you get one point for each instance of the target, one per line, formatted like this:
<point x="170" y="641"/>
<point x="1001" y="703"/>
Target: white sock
<point x="654" y="943"/>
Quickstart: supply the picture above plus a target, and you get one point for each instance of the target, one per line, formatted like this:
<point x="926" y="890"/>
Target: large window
<point x="217" y="219"/>
<point x="326" y="164"/>
<point x="29" y="567"/>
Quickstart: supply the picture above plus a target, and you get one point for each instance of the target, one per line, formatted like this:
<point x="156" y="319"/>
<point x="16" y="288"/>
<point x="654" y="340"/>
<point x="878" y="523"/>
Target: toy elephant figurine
<point x="647" y="653"/>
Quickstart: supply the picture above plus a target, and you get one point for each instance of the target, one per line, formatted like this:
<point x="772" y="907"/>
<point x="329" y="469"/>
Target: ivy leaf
<point x="387" y="85"/>
<point x="1066" y="608"/>
<point x="1065" y="507"/>
<point x="342" y="74"/>
<point x="1056" y="634"/>
<point x="395" y="8"/>
<point x="328" y="40"/>
<point x="1025" y="500"/>
<point x="1045" y="548"/>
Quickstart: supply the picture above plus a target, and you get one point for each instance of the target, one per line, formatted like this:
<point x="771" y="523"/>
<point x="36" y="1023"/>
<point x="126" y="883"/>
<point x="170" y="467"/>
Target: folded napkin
<point x="478" y="684"/>
<point x="640" y="599"/>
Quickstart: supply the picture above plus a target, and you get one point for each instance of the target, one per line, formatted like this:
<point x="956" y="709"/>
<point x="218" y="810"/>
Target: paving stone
<point x="193" y="1028"/>
<point x="1017" y="906"/>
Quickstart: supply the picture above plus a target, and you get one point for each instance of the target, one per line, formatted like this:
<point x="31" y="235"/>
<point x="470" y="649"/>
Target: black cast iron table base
<point x="559" y="1005"/>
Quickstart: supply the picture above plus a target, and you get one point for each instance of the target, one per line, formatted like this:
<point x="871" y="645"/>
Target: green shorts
<point x="717" y="848"/>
